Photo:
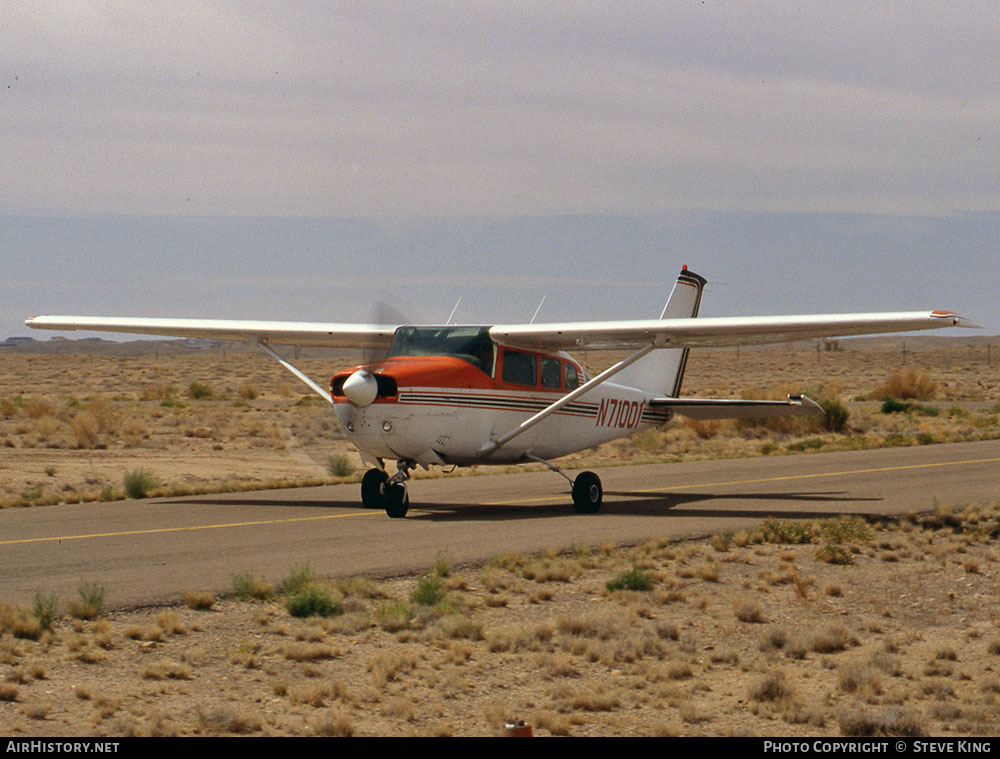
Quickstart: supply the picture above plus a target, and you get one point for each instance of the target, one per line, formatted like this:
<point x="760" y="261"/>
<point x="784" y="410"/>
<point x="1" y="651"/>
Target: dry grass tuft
<point x="887" y="721"/>
<point x="199" y="601"/>
<point x="772" y="687"/>
<point x="748" y="610"/>
<point x="831" y="639"/>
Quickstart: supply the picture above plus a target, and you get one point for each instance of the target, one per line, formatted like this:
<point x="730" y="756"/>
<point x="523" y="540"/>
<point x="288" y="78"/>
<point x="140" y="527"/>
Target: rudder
<point x="662" y="371"/>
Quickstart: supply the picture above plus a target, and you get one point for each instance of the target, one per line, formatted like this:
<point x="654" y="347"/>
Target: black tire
<point x="372" y="495"/>
<point x="397" y="501"/>
<point x="587" y="493"/>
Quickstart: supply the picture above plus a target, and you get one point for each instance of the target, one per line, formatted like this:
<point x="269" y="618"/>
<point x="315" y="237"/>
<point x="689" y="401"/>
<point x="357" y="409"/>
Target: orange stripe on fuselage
<point x="442" y="372"/>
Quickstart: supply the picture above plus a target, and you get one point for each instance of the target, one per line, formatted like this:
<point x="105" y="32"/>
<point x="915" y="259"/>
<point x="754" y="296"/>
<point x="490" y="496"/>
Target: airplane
<point x="468" y="394"/>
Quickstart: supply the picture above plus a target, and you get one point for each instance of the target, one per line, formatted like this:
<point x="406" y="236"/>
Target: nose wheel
<point x="380" y="491"/>
<point x="373" y="489"/>
<point x="397" y="501"/>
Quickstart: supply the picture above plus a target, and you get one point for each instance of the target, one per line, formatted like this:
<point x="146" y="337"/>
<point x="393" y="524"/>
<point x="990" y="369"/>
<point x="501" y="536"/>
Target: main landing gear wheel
<point x="397" y="501"/>
<point x="372" y="489"/>
<point x="587" y="493"/>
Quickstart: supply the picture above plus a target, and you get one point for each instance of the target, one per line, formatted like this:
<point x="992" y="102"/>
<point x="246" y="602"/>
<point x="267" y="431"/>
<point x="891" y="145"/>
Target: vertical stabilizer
<point x="661" y="372"/>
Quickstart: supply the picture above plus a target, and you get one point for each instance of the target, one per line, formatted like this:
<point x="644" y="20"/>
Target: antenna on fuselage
<point x="535" y="315"/>
<point x="452" y="314"/>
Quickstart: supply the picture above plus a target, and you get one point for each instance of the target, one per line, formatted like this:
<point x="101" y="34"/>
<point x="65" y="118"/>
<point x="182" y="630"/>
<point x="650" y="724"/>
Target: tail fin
<point x="662" y="371"/>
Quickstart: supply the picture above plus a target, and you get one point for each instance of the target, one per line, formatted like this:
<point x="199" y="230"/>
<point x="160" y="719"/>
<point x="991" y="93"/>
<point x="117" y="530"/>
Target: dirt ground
<point x="901" y="636"/>
<point x="891" y="629"/>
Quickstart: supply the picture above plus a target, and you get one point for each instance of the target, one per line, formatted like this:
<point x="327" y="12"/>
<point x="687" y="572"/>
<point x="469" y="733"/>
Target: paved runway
<point x="154" y="550"/>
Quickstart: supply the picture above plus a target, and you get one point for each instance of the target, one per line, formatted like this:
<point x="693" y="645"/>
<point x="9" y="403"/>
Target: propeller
<point x="382" y="313"/>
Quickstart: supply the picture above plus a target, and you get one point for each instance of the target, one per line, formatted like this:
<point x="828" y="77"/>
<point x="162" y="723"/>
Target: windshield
<point x="472" y="344"/>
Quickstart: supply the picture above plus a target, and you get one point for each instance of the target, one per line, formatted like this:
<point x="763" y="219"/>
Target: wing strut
<point x="324" y="394"/>
<point x="527" y="424"/>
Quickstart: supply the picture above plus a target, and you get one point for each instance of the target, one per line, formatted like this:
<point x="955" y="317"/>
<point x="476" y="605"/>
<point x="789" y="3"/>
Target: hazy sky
<point x="302" y="159"/>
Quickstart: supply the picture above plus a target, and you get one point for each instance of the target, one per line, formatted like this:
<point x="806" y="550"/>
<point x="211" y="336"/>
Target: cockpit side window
<point x="519" y="368"/>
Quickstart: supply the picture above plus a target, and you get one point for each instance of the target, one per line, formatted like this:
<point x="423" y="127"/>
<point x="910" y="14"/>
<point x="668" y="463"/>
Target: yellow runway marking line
<point x="814" y="475"/>
<point x="183" y="529"/>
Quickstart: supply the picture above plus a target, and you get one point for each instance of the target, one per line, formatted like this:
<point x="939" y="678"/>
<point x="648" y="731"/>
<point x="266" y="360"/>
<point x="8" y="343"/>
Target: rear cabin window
<point x="551" y="373"/>
<point x="519" y="368"/>
<point x="572" y="380"/>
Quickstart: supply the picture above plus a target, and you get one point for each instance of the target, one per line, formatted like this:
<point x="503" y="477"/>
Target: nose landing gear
<point x="380" y="491"/>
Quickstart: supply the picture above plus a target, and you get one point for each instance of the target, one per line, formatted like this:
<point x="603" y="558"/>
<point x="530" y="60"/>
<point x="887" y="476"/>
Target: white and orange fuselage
<point x="446" y="409"/>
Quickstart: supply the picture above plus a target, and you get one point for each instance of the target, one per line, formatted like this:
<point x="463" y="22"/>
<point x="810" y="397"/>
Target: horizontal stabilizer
<point x="735" y="408"/>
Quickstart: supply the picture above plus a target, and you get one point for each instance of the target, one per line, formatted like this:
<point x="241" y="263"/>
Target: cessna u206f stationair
<point x="460" y="395"/>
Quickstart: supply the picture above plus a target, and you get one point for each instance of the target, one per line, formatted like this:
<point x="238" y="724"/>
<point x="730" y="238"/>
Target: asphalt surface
<point x="153" y="550"/>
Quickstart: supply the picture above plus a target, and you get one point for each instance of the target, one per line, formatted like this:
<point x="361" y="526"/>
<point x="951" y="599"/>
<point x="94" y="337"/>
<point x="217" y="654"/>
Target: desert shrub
<point x="312" y="601"/>
<point x="298" y="578"/>
<point x="199" y="391"/>
<point x="772" y="687"/>
<point x="393" y="616"/>
<point x="429" y="591"/>
<point x="722" y="541"/>
<point x="37" y="407"/>
<point x="748" y="611"/>
<point x="835" y="413"/>
<point x="834" y="554"/>
<point x="633" y="579"/>
<point x="785" y="531"/>
<point x="45" y="609"/>
<point x="339" y="466"/>
<point x="845" y="530"/>
<point x="812" y="444"/>
<point x="915" y="383"/>
<point x="86" y="430"/>
<point x="459" y="626"/>
<point x="139" y="482"/>
<point x="104" y="414"/>
<point x="245" y="586"/>
<point x="248" y="391"/>
<point x="832" y="639"/>
<point x="90" y="603"/>
<point x="893" y="406"/>
<point x="704" y="429"/>
<point x="891" y="720"/>
<point x="19" y="622"/>
<point x="8" y="408"/>
<point x="199" y="601"/>
<point x="157" y="392"/>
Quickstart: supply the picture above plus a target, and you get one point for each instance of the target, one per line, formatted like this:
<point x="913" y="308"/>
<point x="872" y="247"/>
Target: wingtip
<point x="957" y="320"/>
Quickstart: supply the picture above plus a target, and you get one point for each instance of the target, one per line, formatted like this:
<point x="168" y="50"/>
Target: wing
<point x="278" y="333"/>
<point x="716" y="332"/>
